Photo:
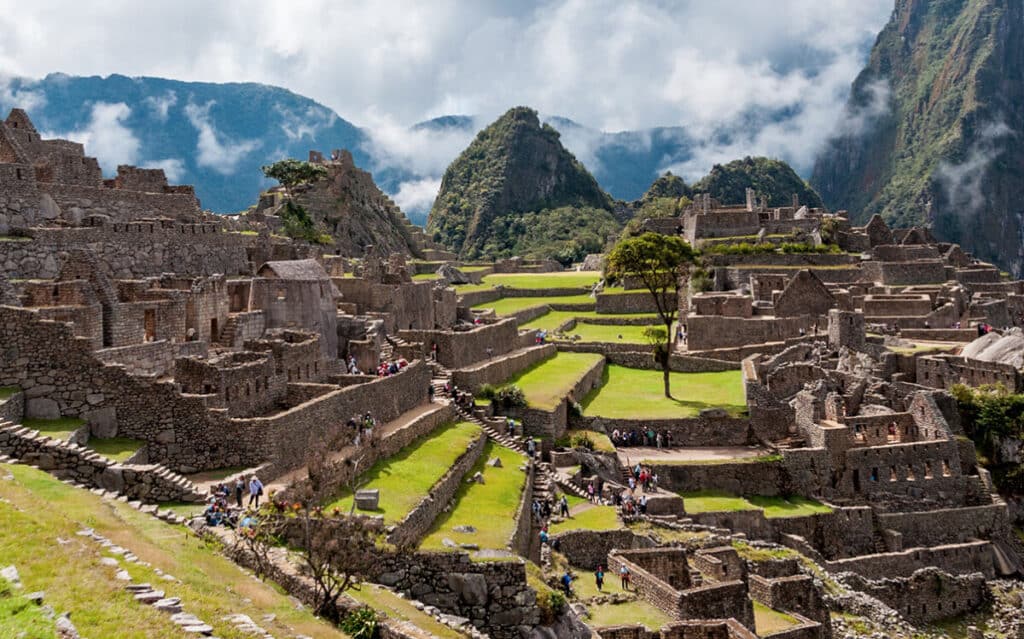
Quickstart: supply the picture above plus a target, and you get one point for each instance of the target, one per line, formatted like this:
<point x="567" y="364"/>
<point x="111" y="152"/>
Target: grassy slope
<point x="116" y="448"/>
<point x="773" y="507"/>
<point x="38" y="522"/>
<point x="511" y="305"/>
<point x="596" y="518"/>
<point x="547" y="383"/>
<point x="563" y="279"/>
<point x="489" y="507"/>
<point x="768" y="621"/>
<point x="635" y="393"/>
<point x="404" y="479"/>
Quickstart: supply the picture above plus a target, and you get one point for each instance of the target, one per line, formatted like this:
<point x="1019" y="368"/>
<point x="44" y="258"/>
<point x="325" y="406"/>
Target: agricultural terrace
<point x="487" y="509"/>
<point x="713" y="501"/>
<point x="614" y="333"/>
<point x="632" y="393"/>
<point x="405" y="478"/>
<point x="75" y="580"/>
<point x="547" y="383"/>
<point x="512" y="305"/>
<point x="552" y="320"/>
<point x="584" y="515"/>
<point x="559" y="279"/>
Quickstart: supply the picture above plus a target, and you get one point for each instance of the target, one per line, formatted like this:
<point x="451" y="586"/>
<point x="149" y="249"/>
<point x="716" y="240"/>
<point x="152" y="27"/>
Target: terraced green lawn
<point x="553" y="319"/>
<point x="617" y="334"/>
<point x="768" y="621"/>
<point x="117" y="448"/>
<point x="631" y="612"/>
<point x="489" y="508"/>
<point x="395" y="607"/>
<point x="713" y="501"/>
<point x="57" y="428"/>
<point x="595" y="518"/>
<point x="602" y="443"/>
<point x="421" y="277"/>
<point x="563" y="279"/>
<point x="512" y="305"/>
<point x="404" y="479"/>
<point x="547" y="383"/>
<point x="39" y="519"/>
<point x="631" y="393"/>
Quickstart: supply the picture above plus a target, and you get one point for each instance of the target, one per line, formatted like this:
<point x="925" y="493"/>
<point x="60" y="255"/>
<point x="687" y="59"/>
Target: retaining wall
<point x="499" y="370"/>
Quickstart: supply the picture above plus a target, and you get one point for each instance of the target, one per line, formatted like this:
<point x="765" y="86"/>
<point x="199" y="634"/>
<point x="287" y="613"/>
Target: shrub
<point x="575" y="409"/>
<point x="361" y="623"/>
<point x="510" y="396"/>
<point x="582" y="440"/>
<point x="487" y="391"/>
<point x="552" y="604"/>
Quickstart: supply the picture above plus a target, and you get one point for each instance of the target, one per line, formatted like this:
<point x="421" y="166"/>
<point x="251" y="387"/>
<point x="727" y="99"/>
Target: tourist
<point x="255" y="491"/>
<point x="563" y="507"/>
<point x="430" y="393"/>
<point x="599" y="578"/>
<point x="590" y="491"/>
<point x="531" y="448"/>
<point x="510" y="427"/>
<point x="433" y="351"/>
<point x="624" y="577"/>
<point x="544" y="536"/>
<point x="657" y="439"/>
<point x="567" y="583"/>
<point x="643" y="504"/>
<point x="239" y="490"/>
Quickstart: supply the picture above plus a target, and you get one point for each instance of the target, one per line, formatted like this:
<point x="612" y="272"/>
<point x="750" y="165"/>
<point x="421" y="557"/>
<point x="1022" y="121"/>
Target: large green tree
<point x="291" y="173"/>
<point x="662" y="263"/>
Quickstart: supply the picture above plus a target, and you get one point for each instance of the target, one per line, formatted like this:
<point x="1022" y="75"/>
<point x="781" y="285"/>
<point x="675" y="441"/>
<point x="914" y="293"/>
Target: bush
<point x="361" y="623"/>
<point x="552" y="604"/>
<point x="510" y="396"/>
<point x="701" y="281"/>
<point x="575" y="409"/>
<point x="487" y="391"/>
<point x="582" y="440"/>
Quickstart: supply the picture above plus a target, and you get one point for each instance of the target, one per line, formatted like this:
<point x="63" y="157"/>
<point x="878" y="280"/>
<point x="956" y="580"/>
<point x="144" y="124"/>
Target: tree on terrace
<point x="661" y="263"/>
<point x="296" y="221"/>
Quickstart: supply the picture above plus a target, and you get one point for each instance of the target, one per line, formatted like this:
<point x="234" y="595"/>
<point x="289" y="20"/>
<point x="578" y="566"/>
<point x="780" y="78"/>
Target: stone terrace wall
<point x="521" y="539"/>
<point x="131" y="250"/>
<point x="753" y="478"/>
<point x="711" y="629"/>
<point x="588" y="549"/>
<point x="147" y="360"/>
<point x="953" y="558"/>
<point x="498" y="370"/>
<point x="639" y="302"/>
<point x="151" y="483"/>
<point x="686" y="432"/>
<point x="417" y="523"/>
<point x="678" y="363"/>
<point x="13" y="408"/>
<point x="473" y="298"/>
<point x="949" y="526"/>
<point x="929" y="595"/>
<point x="459" y="349"/>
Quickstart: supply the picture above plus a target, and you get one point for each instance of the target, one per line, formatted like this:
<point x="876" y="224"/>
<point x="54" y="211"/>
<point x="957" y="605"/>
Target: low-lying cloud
<point x="107" y="137"/>
<point x="961" y="182"/>
<point x="213" y="150"/>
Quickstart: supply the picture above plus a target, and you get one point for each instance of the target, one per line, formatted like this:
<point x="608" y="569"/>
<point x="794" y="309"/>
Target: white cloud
<point x="306" y="123"/>
<point x="423" y="150"/>
<point x="961" y="182"/>
<point x="106" y="137"/>
<point x="417" y="196"/>
<point x="161" y="105"/>
<point x="12" y="96"/>
<point x="174" y="168"/>
<point x="213" y="150"/>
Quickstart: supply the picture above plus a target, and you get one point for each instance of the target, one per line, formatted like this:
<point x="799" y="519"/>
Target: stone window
<point x="281" y="295"/>
<point x="874" y="474"/>
<point x="928" y="470"/>
<point x="20" y="174"/>
<point x="946" y="472"/>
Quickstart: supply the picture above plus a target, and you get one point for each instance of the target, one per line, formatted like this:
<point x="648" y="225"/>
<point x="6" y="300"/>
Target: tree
<point x="292" y="173"/>
<point x="660" y="262"/>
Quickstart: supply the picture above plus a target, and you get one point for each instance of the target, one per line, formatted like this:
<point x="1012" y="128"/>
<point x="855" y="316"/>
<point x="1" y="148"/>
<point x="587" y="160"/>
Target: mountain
<point x="774" y="179"/>
<point x="937" y="116"/>
<point x="215" y="136"/>
<point x="516" y="169"/>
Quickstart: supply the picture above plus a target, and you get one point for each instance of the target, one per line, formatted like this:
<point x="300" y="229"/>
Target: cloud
<point x="106" y="137"/>
<point x="417" y="196"/>
<point x="961" y="182"/>
<point x="306" y="123"/>
<point x="213" y="150"/>
<point x="14" y="93"/>
<point x="174" y="168"/>
<point x="421" y="150"/>
<point x="161" y="105"/>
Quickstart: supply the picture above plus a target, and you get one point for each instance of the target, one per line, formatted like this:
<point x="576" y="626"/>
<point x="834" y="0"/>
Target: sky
<point x="706" y="65"/>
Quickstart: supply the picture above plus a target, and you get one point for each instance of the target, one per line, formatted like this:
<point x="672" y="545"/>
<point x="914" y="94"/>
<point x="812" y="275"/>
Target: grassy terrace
<point x="631" y="393"/>
<point x="511" y="305"/>
<point x="768" y="621"/>
<point x="61" y="428"/>
<point x="38" y="510"/>
<point x="395" y="607"/>
<point x="117" y="448"/>
<point x="7" y="391"/>
<point x="489" y="507"/>
<point x="622" y="334"/>
<point x="547" y="383"/>
<point x="602" y="443"/>
<point x="711" y="501"/>
<point x="404" y="479"/>
<point x="593" y="518"/>
<point x="553" y="319"/>
<point x="563" y="279"/>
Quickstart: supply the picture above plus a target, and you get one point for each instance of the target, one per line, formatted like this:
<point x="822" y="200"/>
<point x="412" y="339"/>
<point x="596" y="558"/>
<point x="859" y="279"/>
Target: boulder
<point x="452" y="275"/>
<point x="478" y="477"/>
<point x="470" y="587"/>
<point x="102" y="422"/>
<point x="494" y="462"/>
<point x="42" y="408"/>
<point x="48" y="209"/>
<point x="367" y="499"/>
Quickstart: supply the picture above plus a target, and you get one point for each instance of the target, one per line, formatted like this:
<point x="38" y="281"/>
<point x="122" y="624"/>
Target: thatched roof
<point x="302" y="270"/>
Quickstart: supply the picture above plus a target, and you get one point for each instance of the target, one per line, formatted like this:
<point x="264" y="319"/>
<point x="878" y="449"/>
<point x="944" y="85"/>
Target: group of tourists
<point x="541" y="337"/>
<point x="363" y="428"/>
<point x="640" y="437"/>
<point x="567" y="579"/>
<point x="386" y="369"/>
<point x="352" y="366"/>
<point x="219" y="510"/>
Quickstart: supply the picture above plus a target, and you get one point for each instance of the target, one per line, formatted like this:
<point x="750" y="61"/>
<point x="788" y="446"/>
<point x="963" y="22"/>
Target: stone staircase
<point x="227" y="334"/>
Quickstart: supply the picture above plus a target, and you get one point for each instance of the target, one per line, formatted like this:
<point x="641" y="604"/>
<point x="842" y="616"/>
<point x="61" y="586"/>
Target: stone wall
<point x="750" y="478"/>
<point x="638" y="302"/>
<point x="678" y="363"/>
<point x="958" y="559"/>
<point x="522" y="536"/>
<point x="728" y="629"/>
<point x="588" y="549"/>
<point x="706" y="430"/>
<point x="947" y="526"/>
<point x="459" y="349"/>
<point x="153" y="359"/>
<point x="711" y="332"/>
<point x="146" y="482"/>
<point x="418" y="521"/>
<point x="12" y="409"/>
<point x="929" y="594"/>
<point x="498" y="370"/>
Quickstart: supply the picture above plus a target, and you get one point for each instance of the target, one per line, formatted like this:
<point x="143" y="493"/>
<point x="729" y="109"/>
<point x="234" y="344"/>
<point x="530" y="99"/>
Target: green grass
<point x="596" y="518"/>
<point x="472" y="288"/>
<point x="419" y="277"/>
<point x="404" y="479"/>
<point x="794" y="506"/>
<point x="553" y="319"/>
<point x="714" y="501"/>
<point x="632" y="393"/>
<point x="20" y="617"/>
<point x="57" y="428"/>
<point x="602" y="443"/>
<point x="621" y="334"/>
<point x="754" y="553"/>
<point x="768" y="621"/>
<point x="547" y="383"/>
<point x="117" y="448"/>
<point x="631" y="612"/>
<point x="564" y="279"/>
<point x="490" y="507"/>
<point x="512" y="305"/>
<point x="14" y="238"/>
<point x="7" y="391"/>
<point x="395" y="607"/>
<point x="38" y="521"/>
